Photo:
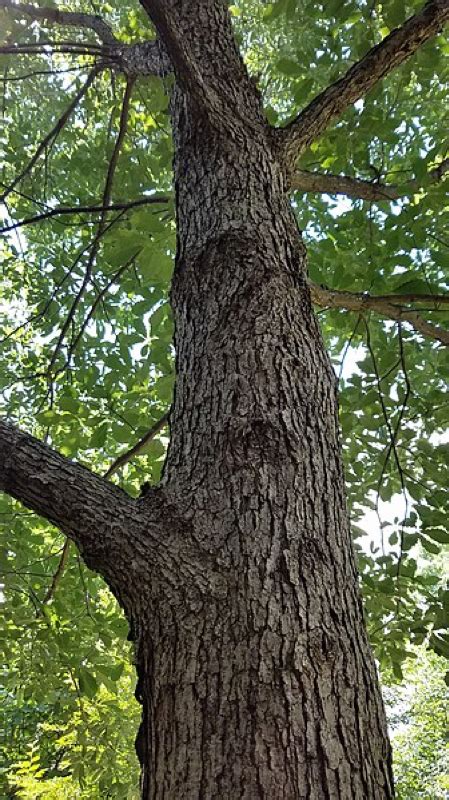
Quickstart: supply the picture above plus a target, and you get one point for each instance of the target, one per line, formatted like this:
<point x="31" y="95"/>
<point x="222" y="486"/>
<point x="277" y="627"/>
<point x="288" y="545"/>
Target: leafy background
<point x="67" y="709"/>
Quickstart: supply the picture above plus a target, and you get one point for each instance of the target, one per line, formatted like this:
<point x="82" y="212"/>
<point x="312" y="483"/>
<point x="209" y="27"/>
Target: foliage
<point x="85" y="753"/>
<point x="87" y="357"/>
<point x="418" y="720"/>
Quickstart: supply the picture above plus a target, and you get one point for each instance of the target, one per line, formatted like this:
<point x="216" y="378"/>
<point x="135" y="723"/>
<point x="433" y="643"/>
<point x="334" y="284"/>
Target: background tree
<point x="89" y="367"/>
<point x="419" y="729"/>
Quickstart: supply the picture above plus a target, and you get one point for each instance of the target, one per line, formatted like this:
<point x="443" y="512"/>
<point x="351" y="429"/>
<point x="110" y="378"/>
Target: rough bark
<point x="271" y="691"/>
<point x="135" y="548"/>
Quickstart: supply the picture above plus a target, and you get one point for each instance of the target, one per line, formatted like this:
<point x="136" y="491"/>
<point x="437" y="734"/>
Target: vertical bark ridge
<point x="271" y="691"/>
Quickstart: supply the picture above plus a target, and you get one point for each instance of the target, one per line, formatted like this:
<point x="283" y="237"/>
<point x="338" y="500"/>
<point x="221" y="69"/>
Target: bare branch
<point x="74" y="210"/>
<point x="123" y="125"/>
<point x="359" y="79"/>
<point x="389" y="306"/>
<point x="326" y="183"/>
<point x="124" y="458"/>
<point x="40" y="72"/>
<point x="54" y="16"/>
<point x="139" y="58"/>
<point x="51" y="136"/>
<point x="58" y="573"/>
<point x="45" y="48"/>
<point x="393" y="438"/>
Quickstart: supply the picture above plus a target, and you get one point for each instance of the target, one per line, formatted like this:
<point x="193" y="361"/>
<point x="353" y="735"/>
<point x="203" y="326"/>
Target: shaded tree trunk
<point x="271" y="690"/>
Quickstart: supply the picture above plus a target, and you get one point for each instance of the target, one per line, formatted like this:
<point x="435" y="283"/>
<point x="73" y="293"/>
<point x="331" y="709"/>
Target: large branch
<point x="140" y="58"/>
<point x="325" y="183"/>
<point x="359" y="79"/>
<point x="200" y="42"/>
<point x="53" y="16"/>
<point x="130" y="543"/>
<point x="392" y="306"/>
<point x="82" y="505"/>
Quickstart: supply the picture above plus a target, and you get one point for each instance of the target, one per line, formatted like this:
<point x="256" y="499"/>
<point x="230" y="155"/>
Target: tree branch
<point x="106" y="200"/>
<point x="390" y="306"/>
<point x="208" y="65"/>
<point x="43" y="48"/>
<point x="143" y="543"/>
<point x="73" y="210"/>
<point x="326" y="183"/>
<point x="59" y="572"/>
<point x="140" y="58"/>
<point x="93" y="308"/>
<point x="144" y="58"/>
<point x="51" y="136"/>
<point x="54" y="16"/>
<point x="82" y="505"/>
<point x="359" y="79"/>
<point x="124" y="458"/>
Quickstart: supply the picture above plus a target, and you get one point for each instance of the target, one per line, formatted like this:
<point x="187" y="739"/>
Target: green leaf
<point x="438" y="534"/>
<point x="429" y="546"/>
<point x="68" y="403"/>
<point x="286" y="66"/>
<point x="156" y="266"/>
<point x="98" y="437"/>
<point x="87" y="682"/>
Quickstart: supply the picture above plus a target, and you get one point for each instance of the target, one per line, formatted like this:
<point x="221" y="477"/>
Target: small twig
<point x="347" y="346"/>
<point x="102" y="224"/>
<point x="124" y="458"/>
<point x="40" y="72"/>
<point x="391" y="434"/>
<point x="98" y="299"/>
<point x="55" y="212"/>
<point x="53" y="133"/>
<point x="82" y="579"/>
<point x="408" y="390"/>
<point x="59" y="572"/>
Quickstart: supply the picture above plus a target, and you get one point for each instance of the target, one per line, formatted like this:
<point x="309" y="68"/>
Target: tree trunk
<point x="270" y="691"/>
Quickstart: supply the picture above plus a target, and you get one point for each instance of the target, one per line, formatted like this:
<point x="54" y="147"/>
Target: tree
<point x="418" y="721"/>
<point x="236" y="572"/>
